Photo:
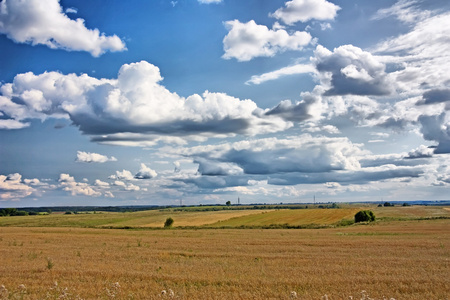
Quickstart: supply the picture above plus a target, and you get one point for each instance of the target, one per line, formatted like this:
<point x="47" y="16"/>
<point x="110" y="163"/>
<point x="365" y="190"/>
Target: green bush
<point x="168" y="223"/>
<point x="364" y="216"/>
<point x="12" y="212"/>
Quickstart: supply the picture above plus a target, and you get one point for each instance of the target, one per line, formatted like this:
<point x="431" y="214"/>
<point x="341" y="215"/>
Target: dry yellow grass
<point x="197" y="218"/>
<point x="294" y="217"/>
<point x="402" y="260"/>
<point x="416" y="211"/>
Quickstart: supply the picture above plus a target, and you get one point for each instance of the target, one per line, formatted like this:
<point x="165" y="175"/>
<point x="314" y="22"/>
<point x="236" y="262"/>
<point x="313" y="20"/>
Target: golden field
<point x="388" y="259"/>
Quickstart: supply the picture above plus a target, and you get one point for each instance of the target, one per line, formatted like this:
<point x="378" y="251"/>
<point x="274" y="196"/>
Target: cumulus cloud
<point x="89" y="157"/>
<point x="215" y="168"/>
<point x="351" y="70"/>
<point x="12" y="187"/>
<point x="291" y="70"/>
<point x="127" y="187"/>
<point x="68" y="184"/>
<point x="122" y="175"/>
<point x="306" y="10"/>
<point x="437" y="128"/>
<point x="421" y="152"/>
<point x="246" y="41"/>
<point x="145" y="173"/>
<point x="43" y="22"/>
<point x="132" y="109"/>
<point x="313" y="107"/>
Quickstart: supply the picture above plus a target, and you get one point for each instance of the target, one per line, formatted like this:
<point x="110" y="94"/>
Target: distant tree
<point x="12" y="212"/>
<point x="68" y="212"/>
<point x="406" y="204"/>
<point x="228" y="203"/>
<point x="387" y="204"/>
<point x="364" y="216"/>
<point x="380" y="205"/>
<point x="168" y="223"/>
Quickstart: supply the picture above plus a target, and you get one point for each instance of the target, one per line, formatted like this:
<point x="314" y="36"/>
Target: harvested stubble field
<point x="393" y="259"/>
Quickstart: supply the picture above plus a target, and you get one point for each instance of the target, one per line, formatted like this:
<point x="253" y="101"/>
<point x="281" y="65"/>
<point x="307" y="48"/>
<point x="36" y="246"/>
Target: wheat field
<point x="399" y="260"/>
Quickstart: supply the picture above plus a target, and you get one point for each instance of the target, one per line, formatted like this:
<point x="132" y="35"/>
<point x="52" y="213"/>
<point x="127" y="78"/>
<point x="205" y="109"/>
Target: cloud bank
<point x="133" y="109"/>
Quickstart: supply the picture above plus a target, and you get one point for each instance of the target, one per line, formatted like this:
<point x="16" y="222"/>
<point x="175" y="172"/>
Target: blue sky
<point x="157" y="102"/>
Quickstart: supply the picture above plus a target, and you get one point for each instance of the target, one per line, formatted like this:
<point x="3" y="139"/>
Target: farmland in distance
<point x="403" y="255"/>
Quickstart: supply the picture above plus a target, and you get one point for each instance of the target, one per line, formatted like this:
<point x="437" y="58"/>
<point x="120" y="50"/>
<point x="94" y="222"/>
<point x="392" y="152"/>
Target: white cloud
<point x="134" y="109"/>
<point x="132" y="187"/>
<point x="351" y="70"/>
<point x="145" y="173"/>
<point x="127" y="187"/>
<point x="68" y="184"/>
<point x="100" y="183"/>
<point x="274" y="75"/>
<point x="43" y="22"/>
<point x="12" y="187"/>
<point x="66" y="178"/>
<point x="119" y="183"/>
<point x="403" y="10"/>
<point x="12" y="124"/>
<point x="124" y="175"/>
<point x="89" y="157"/>
<point x="306" y="10"/>
<point x="71" y="10"/>
<point x="421" y="152"/>
<point x="246" y="41"/>
<point x="325" y="26"/>
<point x="422" y="54"/>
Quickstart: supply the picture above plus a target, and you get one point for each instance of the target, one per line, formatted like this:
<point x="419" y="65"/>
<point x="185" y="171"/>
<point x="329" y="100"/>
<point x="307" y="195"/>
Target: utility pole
<point x="314" y="200"/>
<point x="239" y="201"/>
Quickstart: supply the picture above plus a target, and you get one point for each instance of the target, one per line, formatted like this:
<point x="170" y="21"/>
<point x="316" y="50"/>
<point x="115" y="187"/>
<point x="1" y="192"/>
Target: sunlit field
<point x="382" y="260"/>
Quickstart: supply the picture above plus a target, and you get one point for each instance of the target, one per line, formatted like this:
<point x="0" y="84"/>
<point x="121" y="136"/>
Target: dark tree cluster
<point x="364" y="216"/>
<point x="12" y="212"/>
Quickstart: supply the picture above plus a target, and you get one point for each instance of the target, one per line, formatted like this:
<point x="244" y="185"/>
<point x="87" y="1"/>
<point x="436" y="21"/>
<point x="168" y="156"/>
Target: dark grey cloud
<point x="215" y="182"/>
<point x="353" y="72"/>
<point x="436" y="128"/>
<point x="298" y="112"/>
<point x="347" y="177"/>
<point x="435" y="96"/>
